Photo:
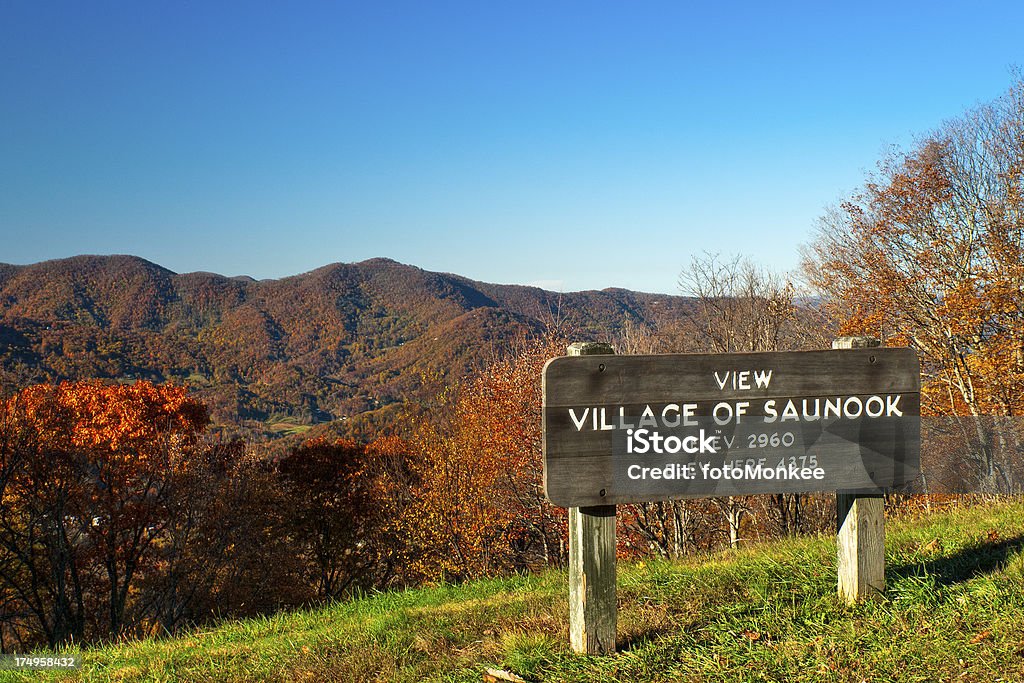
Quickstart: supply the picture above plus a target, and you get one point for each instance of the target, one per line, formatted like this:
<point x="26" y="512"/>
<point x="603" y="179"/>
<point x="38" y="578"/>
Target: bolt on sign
<point x="629" y="429"/>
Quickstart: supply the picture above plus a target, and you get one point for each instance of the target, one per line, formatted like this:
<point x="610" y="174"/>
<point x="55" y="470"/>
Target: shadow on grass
<point x="640" y="635"/>
<point x="632" y="640"/>
<point x="965" y="564"/>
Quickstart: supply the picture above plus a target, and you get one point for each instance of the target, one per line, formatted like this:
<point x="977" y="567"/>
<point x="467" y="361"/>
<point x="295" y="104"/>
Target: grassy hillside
<point x="954" y="611"/>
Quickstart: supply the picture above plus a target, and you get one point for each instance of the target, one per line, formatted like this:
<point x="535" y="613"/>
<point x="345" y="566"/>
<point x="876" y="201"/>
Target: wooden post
<point x="593" y="614"/>
<point x="860" y="522"/>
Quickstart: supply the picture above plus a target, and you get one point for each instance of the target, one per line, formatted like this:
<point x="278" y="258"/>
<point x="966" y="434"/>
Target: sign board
<point x="628" y="429"/>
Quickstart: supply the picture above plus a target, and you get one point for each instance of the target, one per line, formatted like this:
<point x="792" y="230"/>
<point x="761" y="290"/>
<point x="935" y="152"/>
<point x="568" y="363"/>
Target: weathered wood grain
<point x="860" y="518"/>
<point x="615" y="380"/>
<point x="860" y="546"/>
<point x="593" y="609"/>
<point x="584" y="465"/>
<point x="593" y="612"/>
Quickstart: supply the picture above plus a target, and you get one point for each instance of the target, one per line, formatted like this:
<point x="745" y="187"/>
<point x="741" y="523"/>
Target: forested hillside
<point x="275" y="356"/>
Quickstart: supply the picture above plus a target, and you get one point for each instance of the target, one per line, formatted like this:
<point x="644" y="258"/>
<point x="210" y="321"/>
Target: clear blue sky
<point x="575" y="145"/>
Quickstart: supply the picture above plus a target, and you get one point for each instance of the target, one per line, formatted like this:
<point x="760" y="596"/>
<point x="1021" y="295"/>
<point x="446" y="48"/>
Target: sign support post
<point x="593" y="613"/>
<point x="860" y="523"/>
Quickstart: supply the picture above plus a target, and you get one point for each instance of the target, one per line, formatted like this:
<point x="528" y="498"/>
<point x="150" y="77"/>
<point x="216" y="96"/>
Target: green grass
<point x="288" y="426"/>
<point x="953" y="611"/>
<point x="285" y="429"/>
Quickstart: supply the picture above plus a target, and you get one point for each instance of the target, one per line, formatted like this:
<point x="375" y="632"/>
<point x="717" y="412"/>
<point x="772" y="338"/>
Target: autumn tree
<point x="343" y="499"/>
<point x="88" y="474"/>
<point x="505" y="403"/>
<point x="480" y="507"/>
<point x="929" y="253"/>
<point x="43" y="585"/>
<point x="226" y="549"/>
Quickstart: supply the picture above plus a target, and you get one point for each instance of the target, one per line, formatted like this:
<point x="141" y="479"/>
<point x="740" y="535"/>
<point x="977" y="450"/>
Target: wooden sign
<point x="626" y="429"/>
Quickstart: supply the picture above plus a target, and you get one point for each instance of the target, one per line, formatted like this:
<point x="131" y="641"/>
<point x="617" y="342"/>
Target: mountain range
<point x="345" y="341"/>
